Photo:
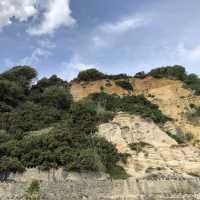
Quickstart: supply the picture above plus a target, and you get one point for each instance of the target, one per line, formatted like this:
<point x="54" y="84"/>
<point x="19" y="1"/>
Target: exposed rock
<point x="162" y="151"/>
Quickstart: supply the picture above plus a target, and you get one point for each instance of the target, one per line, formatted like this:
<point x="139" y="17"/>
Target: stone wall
<point x="57" y="185"/>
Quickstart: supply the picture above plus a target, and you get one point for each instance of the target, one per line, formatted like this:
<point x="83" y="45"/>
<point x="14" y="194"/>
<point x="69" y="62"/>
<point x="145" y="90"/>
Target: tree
<point x="172" y="72"/>
<point x="8" y="166"/>
<point x="10" y="94"/>
<point x="22" y="75"/>
<point x="58" y="97"/>
<point x="90" y="75"/>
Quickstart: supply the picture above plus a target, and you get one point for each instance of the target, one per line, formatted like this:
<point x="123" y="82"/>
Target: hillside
<point x="99" y="130"/>
<point x="171" y="96"/>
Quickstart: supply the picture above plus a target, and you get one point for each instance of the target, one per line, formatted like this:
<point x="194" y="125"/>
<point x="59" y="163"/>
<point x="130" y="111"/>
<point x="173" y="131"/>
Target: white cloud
<point x="73" y="67"/>
<point x="36" y="55"/>
<point x="57" y="13"/>
<point x="52" y="14"/>
<point x="123" y="25"/>
<point x="21" y="10"/>
<point x="107" y="33"/>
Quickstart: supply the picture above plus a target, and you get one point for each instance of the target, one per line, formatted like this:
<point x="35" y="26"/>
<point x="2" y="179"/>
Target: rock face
<point x="159" y="169"/>
<point x="156" y="150"/>
<point x="170" y="95"/>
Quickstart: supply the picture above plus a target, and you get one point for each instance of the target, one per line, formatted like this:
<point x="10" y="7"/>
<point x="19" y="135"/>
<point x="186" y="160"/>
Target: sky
<point x="64" y="37"/>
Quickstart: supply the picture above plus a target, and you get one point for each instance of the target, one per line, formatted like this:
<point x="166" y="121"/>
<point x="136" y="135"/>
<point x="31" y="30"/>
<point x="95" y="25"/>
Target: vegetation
<point x="140" y="75"/>
<point x="138" y="105"/>
<point x="33" y="191"/>
<point x="177" y="72"/>
<point x="71" y="142"/>
<point x="9" y="165"/>
<point x="193" y="114"/>
<point x="180" y="137"/>
<point x="125" y="85"/>
<point x="90" y="75"/>
<point x="94" y="75"/>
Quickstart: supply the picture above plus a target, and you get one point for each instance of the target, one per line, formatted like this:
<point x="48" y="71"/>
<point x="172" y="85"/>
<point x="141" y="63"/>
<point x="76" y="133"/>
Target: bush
<point x="180" y="137"/>
<point x="57" y="97"/>
<point x="125" y="85"/>
<point x="10" y="95"/>
<point x="29" y="117"/>
<point x="94" y="75"/>
<point x="176" y="72"/>
<point x="8" y="166"/>
<point x="90" y="75"/>
<point x="117" y="172"/>
<point x="34" y="187"/>
<point x="22" y="75"/>
<point x="138" y="105"/>
<point x="140" y="75"/>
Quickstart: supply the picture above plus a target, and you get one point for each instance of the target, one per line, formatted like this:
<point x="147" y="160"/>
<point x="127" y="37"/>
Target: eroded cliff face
<point x="171" y="96"/>
<point x="159" y="168"/>
<point x="152" y="149"/>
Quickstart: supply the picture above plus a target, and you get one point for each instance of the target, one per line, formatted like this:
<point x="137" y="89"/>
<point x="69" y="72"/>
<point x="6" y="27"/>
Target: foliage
<point x="33" y="191"/>
<point x="180" y="137"/>
<point x="57" y="97"/>
<point x="140" y="75"/>
<point x="176" y="72"/>
<point x="22" y="75"/>
<point x="125" y="85"/>
<point x="132" y="104"/>
<point x="94" y="75"/>
<point x="10" y="95"/>
<point x="193" y="114"/>
<point x="9" y="165"/>
<point x="34" y="187"/>
<point x="193" y="82"/>
<point x="71" y="143"/>
<point x="28" y="117"/>
<point x="90" y="75"/>
<point x="118" y="172"/>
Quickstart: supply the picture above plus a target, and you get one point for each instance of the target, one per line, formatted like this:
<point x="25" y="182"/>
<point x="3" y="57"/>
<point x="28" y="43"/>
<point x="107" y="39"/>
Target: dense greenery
<point x="172" y="72"/>
<point x="125" y="85"/>
<point x="177" y="72"/>
<point x="132" y="104"/>
<point x="71" y="143"/>
<point x="94" y="74"/>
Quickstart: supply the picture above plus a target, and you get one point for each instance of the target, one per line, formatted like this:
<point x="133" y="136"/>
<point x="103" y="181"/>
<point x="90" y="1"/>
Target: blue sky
<point x="116" y="36"/>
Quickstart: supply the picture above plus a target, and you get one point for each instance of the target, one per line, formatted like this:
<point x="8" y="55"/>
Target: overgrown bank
<point x="71" y="143"/>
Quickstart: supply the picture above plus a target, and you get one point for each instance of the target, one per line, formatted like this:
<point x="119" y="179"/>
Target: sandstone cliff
<point x="171" y="96"/>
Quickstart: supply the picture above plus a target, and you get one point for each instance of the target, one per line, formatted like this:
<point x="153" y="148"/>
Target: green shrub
<point x="94" y="75"/>
<point x="8" y="166"/>
<point x="30" y="117"/>
<point x="140" y="75"/>
<point x="90" y="75"/>
<point x="138" y="105"/>
<point x="58" y="97"/>
<point x="125" y="85"/>
<point x="117" y="172"/>
<point x="21" y="75"/>
<point x="34" y="187"/>
<point x="180" y="137"/>
<point x="176" y="72"/>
